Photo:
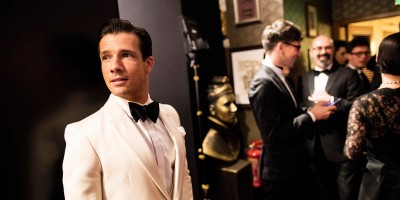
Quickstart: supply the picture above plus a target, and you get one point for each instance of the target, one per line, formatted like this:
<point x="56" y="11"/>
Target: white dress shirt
<point x="321" y="80"/>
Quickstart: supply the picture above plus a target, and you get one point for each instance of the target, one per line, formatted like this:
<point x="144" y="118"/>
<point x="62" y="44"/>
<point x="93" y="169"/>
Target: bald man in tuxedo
<point x="330" y="82"/>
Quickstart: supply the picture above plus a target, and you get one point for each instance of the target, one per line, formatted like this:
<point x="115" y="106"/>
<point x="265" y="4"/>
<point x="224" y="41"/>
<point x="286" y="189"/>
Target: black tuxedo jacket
<point x="282" y="126"/>
<point x="342" y="83"/>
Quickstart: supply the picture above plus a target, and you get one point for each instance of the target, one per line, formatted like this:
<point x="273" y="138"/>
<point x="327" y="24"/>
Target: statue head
<point x="222" y="100"/>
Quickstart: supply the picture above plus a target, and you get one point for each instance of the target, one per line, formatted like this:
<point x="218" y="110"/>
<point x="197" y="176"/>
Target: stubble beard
<point x="324" y="63"/>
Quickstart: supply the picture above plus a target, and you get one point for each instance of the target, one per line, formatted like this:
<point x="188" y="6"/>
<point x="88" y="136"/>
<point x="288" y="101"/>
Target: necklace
<point x="391" y="83"/>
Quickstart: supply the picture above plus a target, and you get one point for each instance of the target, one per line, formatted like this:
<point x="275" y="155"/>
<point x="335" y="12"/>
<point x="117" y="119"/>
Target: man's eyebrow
<point x="128" y="51"/>
<point x="122" y="51"/>
<point x="104" y="52"/>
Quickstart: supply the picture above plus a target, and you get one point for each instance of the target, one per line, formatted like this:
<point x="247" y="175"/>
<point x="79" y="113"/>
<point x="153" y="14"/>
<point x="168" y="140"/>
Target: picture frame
<point x="245" y="63"/>
<point x="246" y="11"/>
<point x="311" y="20"/>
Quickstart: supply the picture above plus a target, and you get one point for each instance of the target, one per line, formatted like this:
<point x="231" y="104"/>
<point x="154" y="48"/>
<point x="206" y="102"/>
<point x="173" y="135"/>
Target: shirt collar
<point x="351" y="66"/>
<point x="125" y="103"/>
<point x="354" y="68"/>
<point x="316" y="68"/>
<point x="268" y="62"/>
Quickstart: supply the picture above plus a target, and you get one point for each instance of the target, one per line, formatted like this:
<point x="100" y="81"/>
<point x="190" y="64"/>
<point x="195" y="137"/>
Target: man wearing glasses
<point x="285" y="166"/>
<point x="340" y="86"/>
<point x="358" y="54"/>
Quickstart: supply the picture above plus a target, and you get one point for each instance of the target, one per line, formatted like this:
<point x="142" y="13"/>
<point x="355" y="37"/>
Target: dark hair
<point x="389" y="54"/>
<point x="280" y="31"/>
<point x="339" y="43"/>
<point x="356" y="42"/>
<point x="114" y="26"/>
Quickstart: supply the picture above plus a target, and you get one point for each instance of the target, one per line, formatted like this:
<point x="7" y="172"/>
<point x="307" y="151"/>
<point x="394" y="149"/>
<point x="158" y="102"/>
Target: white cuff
<point x="311" y="115"/>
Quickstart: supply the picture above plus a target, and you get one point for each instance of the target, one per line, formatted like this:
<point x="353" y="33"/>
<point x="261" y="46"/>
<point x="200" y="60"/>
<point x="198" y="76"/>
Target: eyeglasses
<point x="293" y="45"/>
<point x="359" y="54"/>
<point x="327" y="48"/>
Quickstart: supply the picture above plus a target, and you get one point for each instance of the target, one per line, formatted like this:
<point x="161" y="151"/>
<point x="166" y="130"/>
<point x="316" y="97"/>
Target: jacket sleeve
<point x="81" y="167"/>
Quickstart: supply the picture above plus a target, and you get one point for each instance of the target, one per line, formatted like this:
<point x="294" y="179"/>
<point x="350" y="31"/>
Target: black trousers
<point x="303" y="188"/>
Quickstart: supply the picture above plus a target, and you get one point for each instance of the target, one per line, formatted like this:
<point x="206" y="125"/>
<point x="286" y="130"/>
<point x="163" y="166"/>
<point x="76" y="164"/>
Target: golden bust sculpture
<point x="221" y="141"/>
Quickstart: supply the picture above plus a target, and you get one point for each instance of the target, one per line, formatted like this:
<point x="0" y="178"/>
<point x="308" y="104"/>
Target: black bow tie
<point x="316" y="73"/>
<point x="142" y="112"/>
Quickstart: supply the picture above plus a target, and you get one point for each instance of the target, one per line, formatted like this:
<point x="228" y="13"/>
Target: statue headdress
<point x="220" y="85"/>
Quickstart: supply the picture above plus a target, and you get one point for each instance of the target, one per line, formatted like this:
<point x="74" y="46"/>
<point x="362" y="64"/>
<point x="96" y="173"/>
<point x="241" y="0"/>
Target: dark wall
<point x="51" y="76"/>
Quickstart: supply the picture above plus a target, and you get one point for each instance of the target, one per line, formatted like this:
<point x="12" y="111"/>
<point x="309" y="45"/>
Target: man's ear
<point x="279" y="46"/>
<point x="149" y="63"/>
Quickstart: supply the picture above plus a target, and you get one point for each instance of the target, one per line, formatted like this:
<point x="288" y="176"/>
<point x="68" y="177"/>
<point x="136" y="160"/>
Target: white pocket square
<point x="182" y="131"/>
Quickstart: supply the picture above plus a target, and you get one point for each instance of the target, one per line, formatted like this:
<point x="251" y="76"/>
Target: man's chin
<point x="324" y="63"/>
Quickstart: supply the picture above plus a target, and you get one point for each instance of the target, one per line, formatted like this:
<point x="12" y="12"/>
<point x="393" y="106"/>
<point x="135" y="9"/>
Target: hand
<point x="321" y="111"/>
<point x="320" y="96"/>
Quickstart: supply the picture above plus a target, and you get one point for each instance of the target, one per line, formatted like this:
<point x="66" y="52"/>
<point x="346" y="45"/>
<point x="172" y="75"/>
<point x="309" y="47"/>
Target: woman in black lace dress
<point x="374" y="127"/>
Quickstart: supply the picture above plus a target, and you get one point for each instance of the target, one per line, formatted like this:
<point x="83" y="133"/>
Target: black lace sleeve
<point x="356" y="129"/>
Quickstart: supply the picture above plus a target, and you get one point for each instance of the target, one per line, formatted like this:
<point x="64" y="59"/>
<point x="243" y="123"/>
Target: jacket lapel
<point x="333" y="75"/>
<point x="179" y="144"/>
<point x="139" y="148"/>
<point x="279" y="83"/>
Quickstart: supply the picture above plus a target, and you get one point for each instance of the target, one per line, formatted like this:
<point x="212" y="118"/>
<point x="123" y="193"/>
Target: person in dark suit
<point x="360" y="60"/>
<point x="329" y="82"/>
<point x="285" y="166"/>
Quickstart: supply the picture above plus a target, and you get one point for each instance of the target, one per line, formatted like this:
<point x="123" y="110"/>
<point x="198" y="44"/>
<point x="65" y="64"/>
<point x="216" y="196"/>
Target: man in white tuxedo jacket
<point x="119" y="152"/>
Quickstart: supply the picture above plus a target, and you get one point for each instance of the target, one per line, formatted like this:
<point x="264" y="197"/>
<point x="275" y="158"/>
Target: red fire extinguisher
<point x="253" y="155"/>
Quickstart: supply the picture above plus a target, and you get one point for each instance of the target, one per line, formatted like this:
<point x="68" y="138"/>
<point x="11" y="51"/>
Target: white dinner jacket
<point x="106" y="157"/>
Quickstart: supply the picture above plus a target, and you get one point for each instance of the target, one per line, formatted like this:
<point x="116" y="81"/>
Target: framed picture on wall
<point x="246" y="11"/>
<point x="311" y="20"/>
<point x="245" y="62"/>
